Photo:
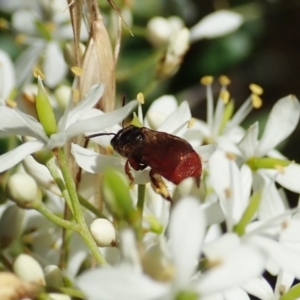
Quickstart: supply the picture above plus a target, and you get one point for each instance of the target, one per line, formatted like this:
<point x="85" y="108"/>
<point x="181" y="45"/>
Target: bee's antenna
<point x="98" y="134"/>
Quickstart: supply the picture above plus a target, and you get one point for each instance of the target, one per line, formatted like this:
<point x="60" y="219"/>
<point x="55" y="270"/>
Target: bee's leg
<point x="135" y="165"/>
<point x="159" y="185"/>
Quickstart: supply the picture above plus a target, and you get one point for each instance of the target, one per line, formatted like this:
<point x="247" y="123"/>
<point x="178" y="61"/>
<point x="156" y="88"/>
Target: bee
<point x="167" y="155"/>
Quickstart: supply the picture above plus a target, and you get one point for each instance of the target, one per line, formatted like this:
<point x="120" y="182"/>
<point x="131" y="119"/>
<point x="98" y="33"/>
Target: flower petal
<point x="248" y="143"/>
<point x="100" y="122"/>
<point x="186" y="229"/>
<point x="7" y="75"/>
<point x="54" y="72"/>
<point x="174" y="122"/>
<point x="232" y="270"/>
<point x="228" y="186"/>
<point x="289" y="178"/>
<point x="89" y="101"/>
<point x="14" y="121"/>
<point x="11" y="158"/>
<point x="282" y="121"/>
<point x="216" y="24"/>
<point x="93" y="162"/>
<point x="119" y="283"/>
<point x="258" y="287"/>
<point x="284" y="257"/>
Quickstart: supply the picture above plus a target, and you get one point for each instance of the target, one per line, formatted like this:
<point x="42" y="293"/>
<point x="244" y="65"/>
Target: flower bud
<point x="69" y="53"/>
<point x="12" y="220"/>
<point x="23" y="190"/>
<point x="28" y="269"/>
<point x="103" y="232"/>
<point x="53" y="277"/>
<point x="178" y="45"/>
<point x="44" y="110"/>
<point x="160" y="30"/>
<point x="11" y="287"/>
<point x="62" y="94"/>
<point x="56" y="296"/>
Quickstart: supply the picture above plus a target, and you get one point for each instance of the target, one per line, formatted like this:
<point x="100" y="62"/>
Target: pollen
<point x="11" y="103"/>
<point x="206" y="80"/>
<point x="38" y="73"/>
<point x="256" y="101"/>
<point x="228" y="193"/>
<point x="256" y="89"/>
<point x="225" y="96"/>
<point x="230" y="156"/>
<point x="279" y="168"/>
<point x="224" y="80"/>
<point x="140" y="98"/>
<point x="77" y="71"/>
<point x="191" y="123"/>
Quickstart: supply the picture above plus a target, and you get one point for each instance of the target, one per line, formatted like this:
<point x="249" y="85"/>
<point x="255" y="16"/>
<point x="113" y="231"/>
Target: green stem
<point x="40" y="207"/>
<point x="89" y="206"/>
<point x="56" y="176"/>
<point x="141" y="200"/>
<point x="78" y="215"/>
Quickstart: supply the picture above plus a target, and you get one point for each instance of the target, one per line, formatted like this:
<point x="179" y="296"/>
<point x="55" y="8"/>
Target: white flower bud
<point x="56" y="296"/>
<point x="104" y="232"/>
<point x="62" y="94"/>
<point x="22" y="189"/>
<point x="160" y="29"/>
<point x="216" y="24"/>
<point x="179" y="44"/>
<point x="28" y="269"/>
<point x="53" y="277"/>
<point x="12" y="220"/>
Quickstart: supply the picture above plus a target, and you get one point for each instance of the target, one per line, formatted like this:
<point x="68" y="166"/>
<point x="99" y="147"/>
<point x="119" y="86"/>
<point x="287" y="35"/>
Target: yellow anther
<point x="109" y="149"/>
<point x="230" y="156"/>
<point x="77" y="71"/>
<point x="224" y="80"/>
<point x="280" y="169"/>
<point x="225" y="96"/>
<point x="50" y="26"/>
<point x="140" y="98"/>
<point x="256" y="101"/>
<point x="256" y="89"/>
<point x="11" y="103"/>
<point x="38" y="73"/>
<point x="3" y="24"/>
<point x="191" y="123"/>
<point x="20" y="39"/>
<point x="206" y="80"/>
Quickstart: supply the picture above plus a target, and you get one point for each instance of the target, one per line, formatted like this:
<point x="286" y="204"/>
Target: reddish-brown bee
<point x="167" y="155"/>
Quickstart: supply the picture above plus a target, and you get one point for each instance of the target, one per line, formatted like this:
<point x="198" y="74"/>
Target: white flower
<point x="282" y="121"/>
<point x="75" y="121"/>
<point x="186" y="230"/>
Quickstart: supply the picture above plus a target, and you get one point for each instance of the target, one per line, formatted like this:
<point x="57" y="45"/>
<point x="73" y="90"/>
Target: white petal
<point x="23" y="20"/>
<point x="55" y="67"/>
<point x="93" y="162"/>
<point x="284" y="257"/>
<point x="159" y="111"/>
<point x="289" y="178"/>
<point x="14" y="121"/>
<point x="284" y="282"/>
<point x="232" y="270"/>
<point x="119" y="283"/>
<point x="259" y="287"/>
<point x="271" y="204"/>
<point x="11" y="158"/>
<point x="7" y="75"/>
<point x="205" y="152"/>
<point x="282" y="121"/>
<point x="186" y="229"/>
<point x="249" y="141"/>
<point x="236" y="294"/>
<point x="175" y="122"/>
<point x="101" y="122"/>
<point x="26" y="61"/>
<point x="89" y="101"/>
<point x="216" y="24"/>
<point x="225" y="178"/>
